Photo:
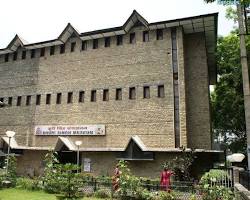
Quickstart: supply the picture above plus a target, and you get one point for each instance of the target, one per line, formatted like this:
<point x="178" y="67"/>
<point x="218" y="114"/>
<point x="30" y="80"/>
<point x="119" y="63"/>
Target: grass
<point x="19" y="194"/>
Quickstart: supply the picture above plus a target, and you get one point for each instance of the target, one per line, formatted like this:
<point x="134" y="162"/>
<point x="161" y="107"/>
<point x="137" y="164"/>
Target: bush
<point x="102" y="193"/>
<point x="143" y="194"/>
<point x="28" y="184"/>
<point x="165" y="196"/>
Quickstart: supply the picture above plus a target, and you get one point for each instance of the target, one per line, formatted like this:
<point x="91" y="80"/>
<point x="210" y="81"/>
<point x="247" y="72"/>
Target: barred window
<point x="10" y="101"/>
<point x="161" y="92"/>
<point x="132" y="38"/>
<point x="81" y="97"/>
<point x="52" y="50"/>
<point x="42" y="52"/>
<point x="19" y="101"/>
<point x="105" y="95"/>
<point x="132" y="93"/>
<point x="62" y="48"/>
<point x="38" y="99"/>
<point x="159" y="34"/>
<point x="70" y="97"/>
<point x="119" y="40"/>
<point x="48" y="98"/>
<point x="146" y="92"/>
<point x="107" y="42"/>
<point x="73" y="45"/>
<point x="118" y="95"/>
<point x="84" y="45"/>
<point x="58" y="98"/>
<point x="145" y="36"/>
<point x="28" y="100"/>
<point x="93" y="96"/>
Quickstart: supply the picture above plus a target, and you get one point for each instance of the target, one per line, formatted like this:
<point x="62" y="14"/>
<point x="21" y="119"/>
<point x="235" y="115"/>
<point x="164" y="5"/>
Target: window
<point x="146" y="92"/>
<point x="119" y="40"/>
<point x="73" y="45"/>
<point x="10" y="101"/>
<point x="145" y="36"/>
<point x="19" y="101"/>
<point x="15" y="56"/>
<point x="84" y="45"/>
<point x="23" y="55"/>
<point x="48" y="98"/>
<point x="28" y="100"/>
<point x="33" y="53"/>
<point x="6" y="57"/>
<point x="132" y="94"/>
<point x="105" y="95"/>
<point x="159" y="34"/>
<point x="161" y="92"/>
<point x="62" y="48"/>
<point x="38" y="99"/>
<point x="58" y="98"/>
<point x="70" y="97"/>
<point x="95" y="44"/>
<point x="52" y="50"/>
<point x="42" y="52"/>
<point x="132" y="38"/>
<point x="107" y="42"/>
<point x="81" y="97"/>
<point x="93" y="96"/>
<point x="118" y="95"/>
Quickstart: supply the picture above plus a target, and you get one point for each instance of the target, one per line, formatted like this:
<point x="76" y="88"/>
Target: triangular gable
<point x="15" y="43"/>
<point x="134" y="19"/>
<point x="68" y="32"/>
<point x="64" y="141"/>
<point x="138" y="142"/>
<point x="13" y="143"/>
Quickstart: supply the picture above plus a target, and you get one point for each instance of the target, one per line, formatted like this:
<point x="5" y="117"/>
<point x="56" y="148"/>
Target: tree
<point x="227" y="99"/>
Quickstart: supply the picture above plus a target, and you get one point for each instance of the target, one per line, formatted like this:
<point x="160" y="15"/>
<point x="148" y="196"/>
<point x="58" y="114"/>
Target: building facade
<point x="137" y="92"/>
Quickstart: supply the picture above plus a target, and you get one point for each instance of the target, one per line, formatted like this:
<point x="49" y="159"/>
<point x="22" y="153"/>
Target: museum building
<point x="137" y="92"/>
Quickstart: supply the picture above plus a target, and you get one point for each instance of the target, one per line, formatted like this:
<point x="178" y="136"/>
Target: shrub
<point x="143" y="194"/>
<point x="213" y="176"/>
<point x="28" y="184"/>
<point x="165" y="196"/>
<point x="102" y="193"/>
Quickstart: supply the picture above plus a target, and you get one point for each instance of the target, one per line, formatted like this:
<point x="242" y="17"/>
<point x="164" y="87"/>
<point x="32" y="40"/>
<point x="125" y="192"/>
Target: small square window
<point x="159" y="34"/>
<point x="119" y="40"/>
<point x="132" y="93"/>
<point x="42" y="52"/>
<point x="52" y="50"/>
<point x="19" y="101"/>
<point x="145" y="36"/>
<point x="73" y="45"/>
<point x="70" y="97"/>
<point x="84" y="45"/>
<point x="23" y="55"/>
<point x="161" y="92"/>
<point x="38" y="99"/>
<point x="28" y="100"/>
<point x="105" y="95"/>
<point x="132" y="38"/>
<point x="107" y="42"/>
<point x="15" y="56"/>
<point x="33" y="53"/>
<point x="146" y="92"/>
<point x="81" y="97"/>
<point x="95" y="44"/>
<point x="48" y="98"/>
<point x="62" y="48"/>
<point x="10" y="101"/>
<point x="118" y="95"/>
<point x="58" y="98"/>
<point x="6" y="57"/>
<point x="93" y="96"/>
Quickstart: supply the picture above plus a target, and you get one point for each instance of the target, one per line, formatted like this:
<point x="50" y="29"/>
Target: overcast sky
<point x="37" y="21"/>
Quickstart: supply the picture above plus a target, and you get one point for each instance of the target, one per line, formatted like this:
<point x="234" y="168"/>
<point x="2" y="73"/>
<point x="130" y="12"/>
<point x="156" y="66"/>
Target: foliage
<point x="165" y="196"/>
<point x="228" y="115"/>
<point x="28" y="184"/>
<point x="68" y="181"/>
<point x="11" y="174"/>
<point x="213" y="191"/>
<point x="128" y="183"/>
<point x="217" y="192"/>
<point x="181" y="164"/>
<point x="213" y="176"/>
<point x="102" y="193"/>
<point x="50" y="177"/>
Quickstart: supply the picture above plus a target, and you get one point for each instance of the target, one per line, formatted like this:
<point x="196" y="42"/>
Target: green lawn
<point x="18" y="194"/>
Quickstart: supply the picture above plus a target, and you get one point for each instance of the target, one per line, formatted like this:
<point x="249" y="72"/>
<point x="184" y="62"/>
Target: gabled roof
<point x="67" y="33"/>
<point x="61" y="141"/>
<point x="16" y="42"/>
<point x="13" y="143"/>
<point x="134" y="18"/>
<point x="137" y="140"/>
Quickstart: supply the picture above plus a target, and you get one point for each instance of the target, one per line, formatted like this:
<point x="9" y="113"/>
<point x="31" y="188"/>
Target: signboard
<point x="228" y="2"/>
<point x="68" y="130"/>
<point x="86" y="164"/>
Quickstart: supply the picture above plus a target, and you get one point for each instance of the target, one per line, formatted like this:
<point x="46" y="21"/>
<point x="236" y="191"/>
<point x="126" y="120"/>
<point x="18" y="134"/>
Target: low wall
<point x="241" y="192"/>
